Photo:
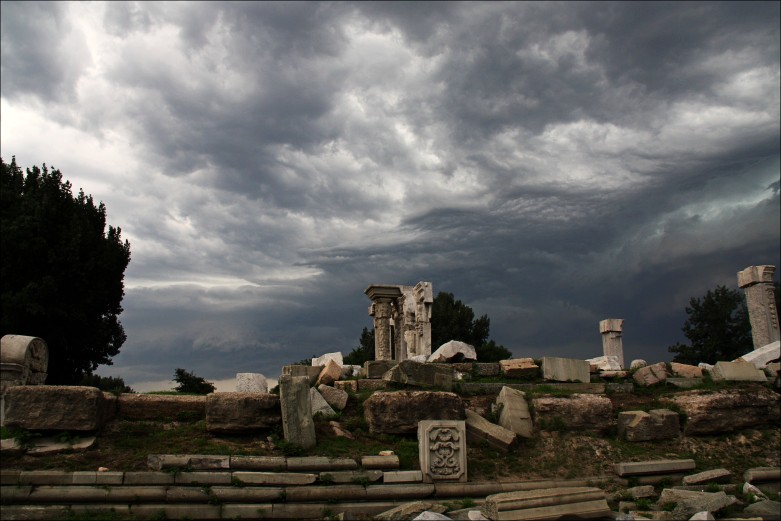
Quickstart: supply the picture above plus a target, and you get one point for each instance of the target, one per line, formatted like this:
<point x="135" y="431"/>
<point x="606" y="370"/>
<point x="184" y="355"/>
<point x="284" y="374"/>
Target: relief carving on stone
<point x="444" y="446"/>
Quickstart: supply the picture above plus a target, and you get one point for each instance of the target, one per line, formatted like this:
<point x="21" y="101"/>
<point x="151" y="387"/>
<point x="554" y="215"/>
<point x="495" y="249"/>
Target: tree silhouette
<point x="61" y="273"/>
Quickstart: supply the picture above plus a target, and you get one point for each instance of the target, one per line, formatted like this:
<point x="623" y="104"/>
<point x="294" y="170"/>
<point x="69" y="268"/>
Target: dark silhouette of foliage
<point x="62" y="272"/>
<point x="190" y="383"/>
<point x="717" y="327"/>
<point x="365" y="350"/>
<point x="451" y="319"/>
<point x="106" y="383"/>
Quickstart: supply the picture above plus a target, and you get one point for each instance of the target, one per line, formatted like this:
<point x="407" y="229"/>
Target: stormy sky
<point x="550" y="164"/>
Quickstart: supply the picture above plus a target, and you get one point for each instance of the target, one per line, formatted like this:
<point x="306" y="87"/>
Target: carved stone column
<point x="757" y="283"/>
<point x="612" y="345"/>
<point x="424" y="300"/>
<point x="383" y="298"/>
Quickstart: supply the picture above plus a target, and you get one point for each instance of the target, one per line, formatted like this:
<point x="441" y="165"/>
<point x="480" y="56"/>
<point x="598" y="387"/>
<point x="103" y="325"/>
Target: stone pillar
<point x="424" y="300"/>
<point x="757" y="283"/>
<point x="295" y="403"/>
<point x="612" y="345"/>
<point x="383" y="298"/>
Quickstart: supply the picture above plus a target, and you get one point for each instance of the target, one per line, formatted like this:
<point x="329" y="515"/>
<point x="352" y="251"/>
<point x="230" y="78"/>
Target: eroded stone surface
<point x="416" y="374"/>
<point x="519" y="368"/>
<point x="651" y="374"/>
<point x="577" y="412"/>
<point x="319" y="404"/>
<point x="658" y="424"/>
<point x="133" y="406"/>
<point x="514" y="412"/>
<point x="234" y="413"/>
<point x="50" y="407"/>
<point x="737" y="372"/>
<point x="565" y="369"/>
<point x="757" y="283"/>
<point x="297" y="423"/>
<point x="685" y="370"/>
<point x="479" y="429"/>
<point x="251" y="383"/>
<point x="712" y="412"/>
<point x="330" y="373"/>
<point x="612" y="344"/>
<point x="336" y="398"/>
<point x="323" y="360"/>
<point x="400" y="412"/>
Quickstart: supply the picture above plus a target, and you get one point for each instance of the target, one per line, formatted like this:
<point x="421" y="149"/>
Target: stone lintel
<point x="376" y="291"/>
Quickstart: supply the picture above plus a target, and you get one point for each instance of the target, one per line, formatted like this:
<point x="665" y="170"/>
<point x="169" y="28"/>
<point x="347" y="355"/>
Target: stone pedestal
<point x="611" y="330"/>
<point x="757" y="283"/>
<point x="442" y="450"/>
<point x="24" y="359"/>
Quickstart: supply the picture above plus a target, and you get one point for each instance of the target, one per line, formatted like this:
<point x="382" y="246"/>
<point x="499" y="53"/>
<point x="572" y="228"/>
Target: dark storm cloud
<point x="550" y="164"/>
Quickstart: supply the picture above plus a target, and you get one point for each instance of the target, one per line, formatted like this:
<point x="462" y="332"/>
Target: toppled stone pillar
<point x="24" y="360"/>
<point x="296" y="405"/>
<point x="757" y="283"/>
<point x="611" y="330"/>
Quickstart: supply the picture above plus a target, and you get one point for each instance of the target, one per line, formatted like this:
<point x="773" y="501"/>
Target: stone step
<point x="640" y="468"/>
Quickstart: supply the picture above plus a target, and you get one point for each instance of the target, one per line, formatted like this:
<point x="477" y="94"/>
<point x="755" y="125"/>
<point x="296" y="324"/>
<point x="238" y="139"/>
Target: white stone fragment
<point x="760" y="357"/>
<point x="702" y="516"/>
<point x="453" y="350"/>
<point x="705" y="367"/>
<point x="251" y="383"/>
<point x="418" y="358"/>
<point x="319" y="405"/>
<point x="637" y="364"/>
<point x="323" y="360"/>
<point x="605" y="363"/>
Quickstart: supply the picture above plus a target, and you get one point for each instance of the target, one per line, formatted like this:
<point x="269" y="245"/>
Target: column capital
<point x="756" y="275"/>
<point x="611" y="324"/>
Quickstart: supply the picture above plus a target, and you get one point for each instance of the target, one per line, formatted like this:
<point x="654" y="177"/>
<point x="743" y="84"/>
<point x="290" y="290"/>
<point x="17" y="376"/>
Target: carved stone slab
<point x="442" y="450"/>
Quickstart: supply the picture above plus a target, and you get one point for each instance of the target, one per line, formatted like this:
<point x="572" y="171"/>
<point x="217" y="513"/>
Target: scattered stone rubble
<point x="444" y="426"/>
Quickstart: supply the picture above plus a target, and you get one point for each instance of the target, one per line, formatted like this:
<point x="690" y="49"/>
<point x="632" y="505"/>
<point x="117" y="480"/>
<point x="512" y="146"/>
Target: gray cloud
<point x="550" y="164"/>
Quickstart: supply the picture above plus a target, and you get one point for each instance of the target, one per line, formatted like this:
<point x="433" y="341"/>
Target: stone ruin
<point x="402" y="320"/>
<point x="757" y="283"/>
<point x="24" y="360"/>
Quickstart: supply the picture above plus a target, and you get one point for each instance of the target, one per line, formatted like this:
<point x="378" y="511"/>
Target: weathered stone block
<point x="50" y="407"/>
<point x="737" y="372"/>
<point x="565" y="369"/>
<point x="380" y="462"/>
<point x="311" y="372"/>
<point x="689" y="502"/>
<point x="160" y="407"/>
<point x="514" y="412"/>
<point x="419" y="374"/>
<point x="519" y="368"/>
<point x="275" y="463"/>
<point x="659" y="424"/>
<point x="402" y="476"/>
<point x="297" y="423"/>
<point x="604" y="363"/>
<point x="336" y="398"/>
<point x="728" y="410"/>
<point x="760" y="474"/>
<point x="330" y="373"/>
<point x="479" y="429"/>
<point x="708" y="476"/>
<point x="651" y="374"/>
<point x="372" y="385"/>
<point x="400" y="412"/>
<point x="486" y="368"/>
<point x="251" y="383"/>
<point x="442" y="450"/>
<point x="319" y="405"/>
<point x="236" y="413"/>
<point x="642" y="468"/>
<point x="320" y="463"/>
<point x="685" y="370"/>
<point x="578" y="412"/>
<point x="585" y="502"/>
<point x="377" y="368"/>
<point x="347" y="385"/>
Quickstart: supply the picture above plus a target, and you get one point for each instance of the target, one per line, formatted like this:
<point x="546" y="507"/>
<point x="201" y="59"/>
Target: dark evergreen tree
<point x="190" y="383"/>
<point x="451" y="319"/>
<point x="62" y="272"/>
<point x="106" y="383"/>
<point x="365" y="349"/>
<point x="717" y="326"/>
